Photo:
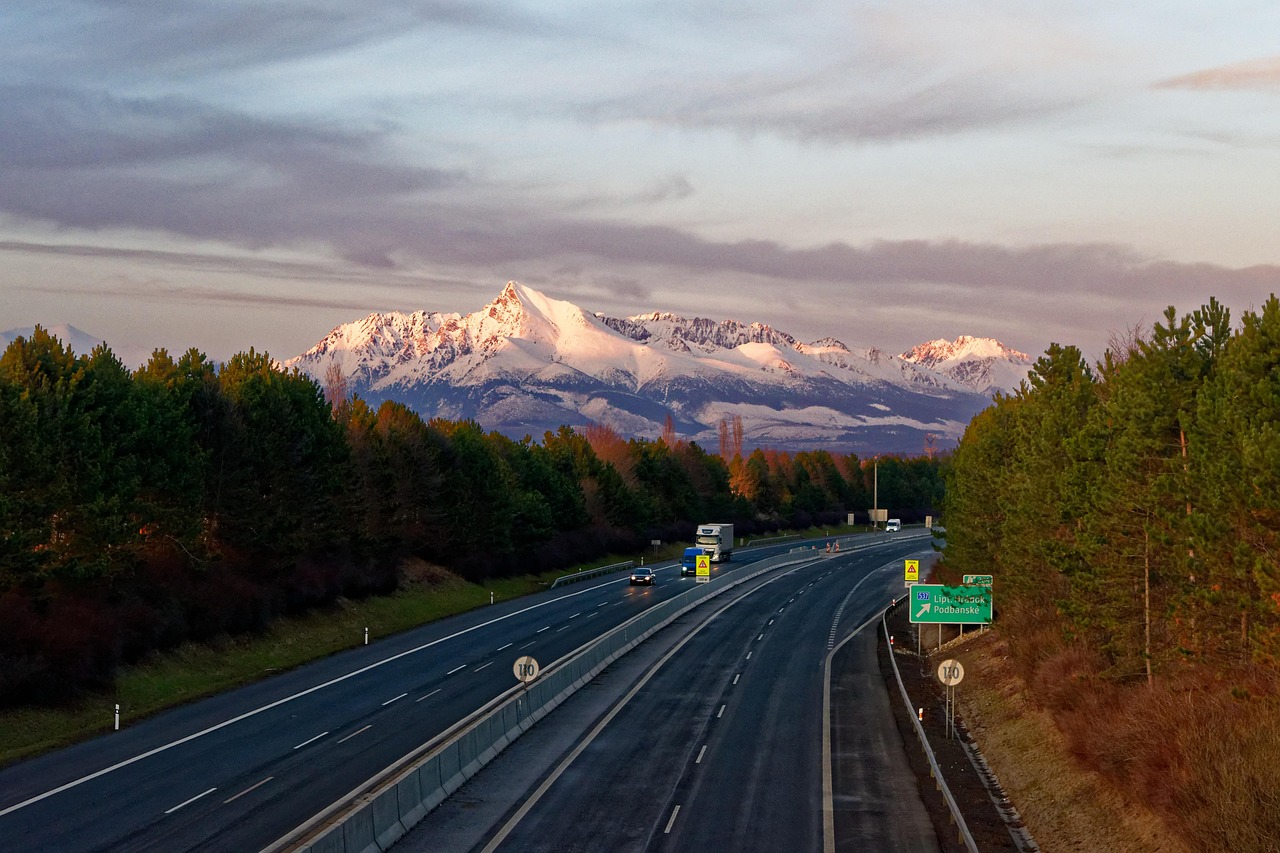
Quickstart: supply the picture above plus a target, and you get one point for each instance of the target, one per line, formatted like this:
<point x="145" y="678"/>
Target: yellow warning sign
<point x="912" y="571"/>
<point x="703" y="569"/>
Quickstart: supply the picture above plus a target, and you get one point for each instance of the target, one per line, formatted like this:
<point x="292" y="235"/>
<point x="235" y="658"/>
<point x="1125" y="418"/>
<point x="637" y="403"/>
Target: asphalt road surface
<point x="710" y="736"/>
<point x="240" y="770"/>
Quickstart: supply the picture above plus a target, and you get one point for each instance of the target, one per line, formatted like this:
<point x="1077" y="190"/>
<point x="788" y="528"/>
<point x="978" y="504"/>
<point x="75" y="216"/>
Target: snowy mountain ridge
<point x="526" y="363"/>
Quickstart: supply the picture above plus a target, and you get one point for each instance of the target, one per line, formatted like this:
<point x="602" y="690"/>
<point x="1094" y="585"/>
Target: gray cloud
<point x="847" y="100"/>
<point x="139" y="38"/>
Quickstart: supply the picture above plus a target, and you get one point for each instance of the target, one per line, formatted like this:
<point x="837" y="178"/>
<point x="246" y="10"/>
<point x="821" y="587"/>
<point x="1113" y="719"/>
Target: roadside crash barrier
<point x="379" y="812"/>
<point x="585" y="574"/>
<point x="965" y="837"/>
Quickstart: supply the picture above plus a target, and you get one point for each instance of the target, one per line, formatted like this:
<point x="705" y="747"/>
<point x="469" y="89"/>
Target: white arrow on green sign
<point x="950" y="605"/>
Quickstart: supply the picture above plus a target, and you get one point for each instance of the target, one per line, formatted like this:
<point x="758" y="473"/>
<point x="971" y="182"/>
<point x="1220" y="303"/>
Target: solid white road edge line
<point x="247" y="714"/>
<point x="828" y="806"/>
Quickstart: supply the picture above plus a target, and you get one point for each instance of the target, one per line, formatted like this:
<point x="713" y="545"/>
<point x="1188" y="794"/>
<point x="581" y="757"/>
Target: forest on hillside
<point x="189" y="499"/>
<point x="1130" y="515"/>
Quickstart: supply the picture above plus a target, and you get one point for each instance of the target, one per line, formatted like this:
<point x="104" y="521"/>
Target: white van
<point x="893" y="525"/>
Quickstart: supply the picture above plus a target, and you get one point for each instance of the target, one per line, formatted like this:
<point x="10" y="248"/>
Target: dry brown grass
<point x="1066" y="805"/>
<point x="1185" y="763"/>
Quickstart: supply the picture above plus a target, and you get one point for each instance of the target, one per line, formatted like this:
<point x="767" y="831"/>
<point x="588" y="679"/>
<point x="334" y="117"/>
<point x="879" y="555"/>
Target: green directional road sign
<point x="951" y="605"/>
<point x="978" y="580"/>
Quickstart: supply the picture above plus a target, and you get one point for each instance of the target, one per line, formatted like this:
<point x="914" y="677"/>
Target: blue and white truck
<point x="716" y="540"/>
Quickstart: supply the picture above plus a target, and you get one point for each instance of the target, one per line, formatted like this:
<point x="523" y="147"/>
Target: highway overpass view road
<point x="710" y="736"/>
<point x="240" y="770"/>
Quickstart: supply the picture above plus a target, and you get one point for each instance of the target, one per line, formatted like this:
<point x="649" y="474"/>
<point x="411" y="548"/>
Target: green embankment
<point x="195" y="670"/>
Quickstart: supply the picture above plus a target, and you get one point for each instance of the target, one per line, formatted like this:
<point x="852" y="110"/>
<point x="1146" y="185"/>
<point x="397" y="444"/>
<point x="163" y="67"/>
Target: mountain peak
<point x="983" y="364"/>
<point x="526" y="362"/>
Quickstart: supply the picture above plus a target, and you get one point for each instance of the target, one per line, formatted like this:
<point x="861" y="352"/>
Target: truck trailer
<point x="716" y="540"/>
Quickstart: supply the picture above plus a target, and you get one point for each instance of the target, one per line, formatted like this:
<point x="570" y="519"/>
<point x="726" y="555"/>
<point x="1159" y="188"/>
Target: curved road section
<point x="242" y="769"/>
<point x="714" y="737"/>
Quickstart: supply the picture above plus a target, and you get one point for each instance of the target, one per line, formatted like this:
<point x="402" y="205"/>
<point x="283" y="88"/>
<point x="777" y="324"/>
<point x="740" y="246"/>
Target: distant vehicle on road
<point x="893" y="525"/>
<point x="689" y="561"/>
<point x="642" y="576"/>
<point x="716" y="540"/>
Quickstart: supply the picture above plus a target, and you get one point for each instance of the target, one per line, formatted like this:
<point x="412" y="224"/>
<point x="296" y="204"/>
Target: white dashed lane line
<point x="429" y="695"/>
<point x="482" y="666"/>
<point x="353" y="734"/>
<point x="456" y="669"/>
<point x="507" y="646"/>
<point x="190" y="801"/>
<point x="397" y="699"/>
<point x="247" y="790"/>
<point x="312" y="740"/>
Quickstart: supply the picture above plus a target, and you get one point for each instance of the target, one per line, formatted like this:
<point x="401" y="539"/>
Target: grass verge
<point x="195" y="670"/>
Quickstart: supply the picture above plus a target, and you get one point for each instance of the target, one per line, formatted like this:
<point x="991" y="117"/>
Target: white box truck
<point x="716" y="540"/>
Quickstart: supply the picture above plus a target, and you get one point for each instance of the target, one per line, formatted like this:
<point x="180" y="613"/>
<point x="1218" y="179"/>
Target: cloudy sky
<point x="226" y="174"/>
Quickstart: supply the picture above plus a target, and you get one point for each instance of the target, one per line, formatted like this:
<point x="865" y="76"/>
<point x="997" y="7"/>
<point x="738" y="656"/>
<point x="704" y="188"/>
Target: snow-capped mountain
<point x="981" y="364"/>
<point x="526" y="363"/>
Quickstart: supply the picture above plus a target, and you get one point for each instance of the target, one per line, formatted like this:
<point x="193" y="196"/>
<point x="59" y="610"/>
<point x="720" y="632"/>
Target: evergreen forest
<point x="1129" y="513"/>
<point x="189" y="500"/>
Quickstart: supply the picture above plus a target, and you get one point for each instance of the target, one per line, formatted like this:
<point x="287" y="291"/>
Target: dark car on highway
<point x="642" y="576"/>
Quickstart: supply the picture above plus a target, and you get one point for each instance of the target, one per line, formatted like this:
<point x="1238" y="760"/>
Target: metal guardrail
<point x="379" y="812"/>
<point x="966" y="838"/>
<point x="591" y="573"/>
<point x="754" y="542"/>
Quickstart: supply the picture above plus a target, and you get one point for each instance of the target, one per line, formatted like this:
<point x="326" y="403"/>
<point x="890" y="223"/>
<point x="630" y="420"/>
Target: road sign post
<point x="951" y="673"/>
<point x="702" y="568"/>
<point x="950" y="605"/>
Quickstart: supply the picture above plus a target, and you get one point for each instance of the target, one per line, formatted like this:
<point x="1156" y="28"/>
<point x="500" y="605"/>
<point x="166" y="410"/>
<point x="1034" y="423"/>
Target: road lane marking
<point x="497" y="840"/>
<point x="397" y="699"/>
<point x="748" y="655"/>
<point x="507" y="646"/>
<point x="305" y="742"/>
<point x="558" y="630"/>
<point x="576" y="615"/>
<point x="701" y="753"/>
<point x="721" y="712"/>
<point x="761" y="637"/>
<point x="353" y="734"/>
<point x="456" y="669"/>
<point x="540" y="630"/>
<point x="736" y="677"/>
<point x="429" y="695"/>
<point x="604" y="604"/>
<point x="277" y="703"/>
<point x="247" y="790"/>
<point x="526" y="645"/>
<point x="770" y="621"/>
<point x="671" y="822"/>
<point x="190" y="801"/>
<point x="482" y="666"/>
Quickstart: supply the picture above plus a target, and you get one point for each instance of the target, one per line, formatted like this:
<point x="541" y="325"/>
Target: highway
<point x="240" y="770"/>
<point x="716" y="741"/>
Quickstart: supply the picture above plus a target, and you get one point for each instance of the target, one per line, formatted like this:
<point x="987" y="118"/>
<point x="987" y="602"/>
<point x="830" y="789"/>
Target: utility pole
<point x="875" y="494"/>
